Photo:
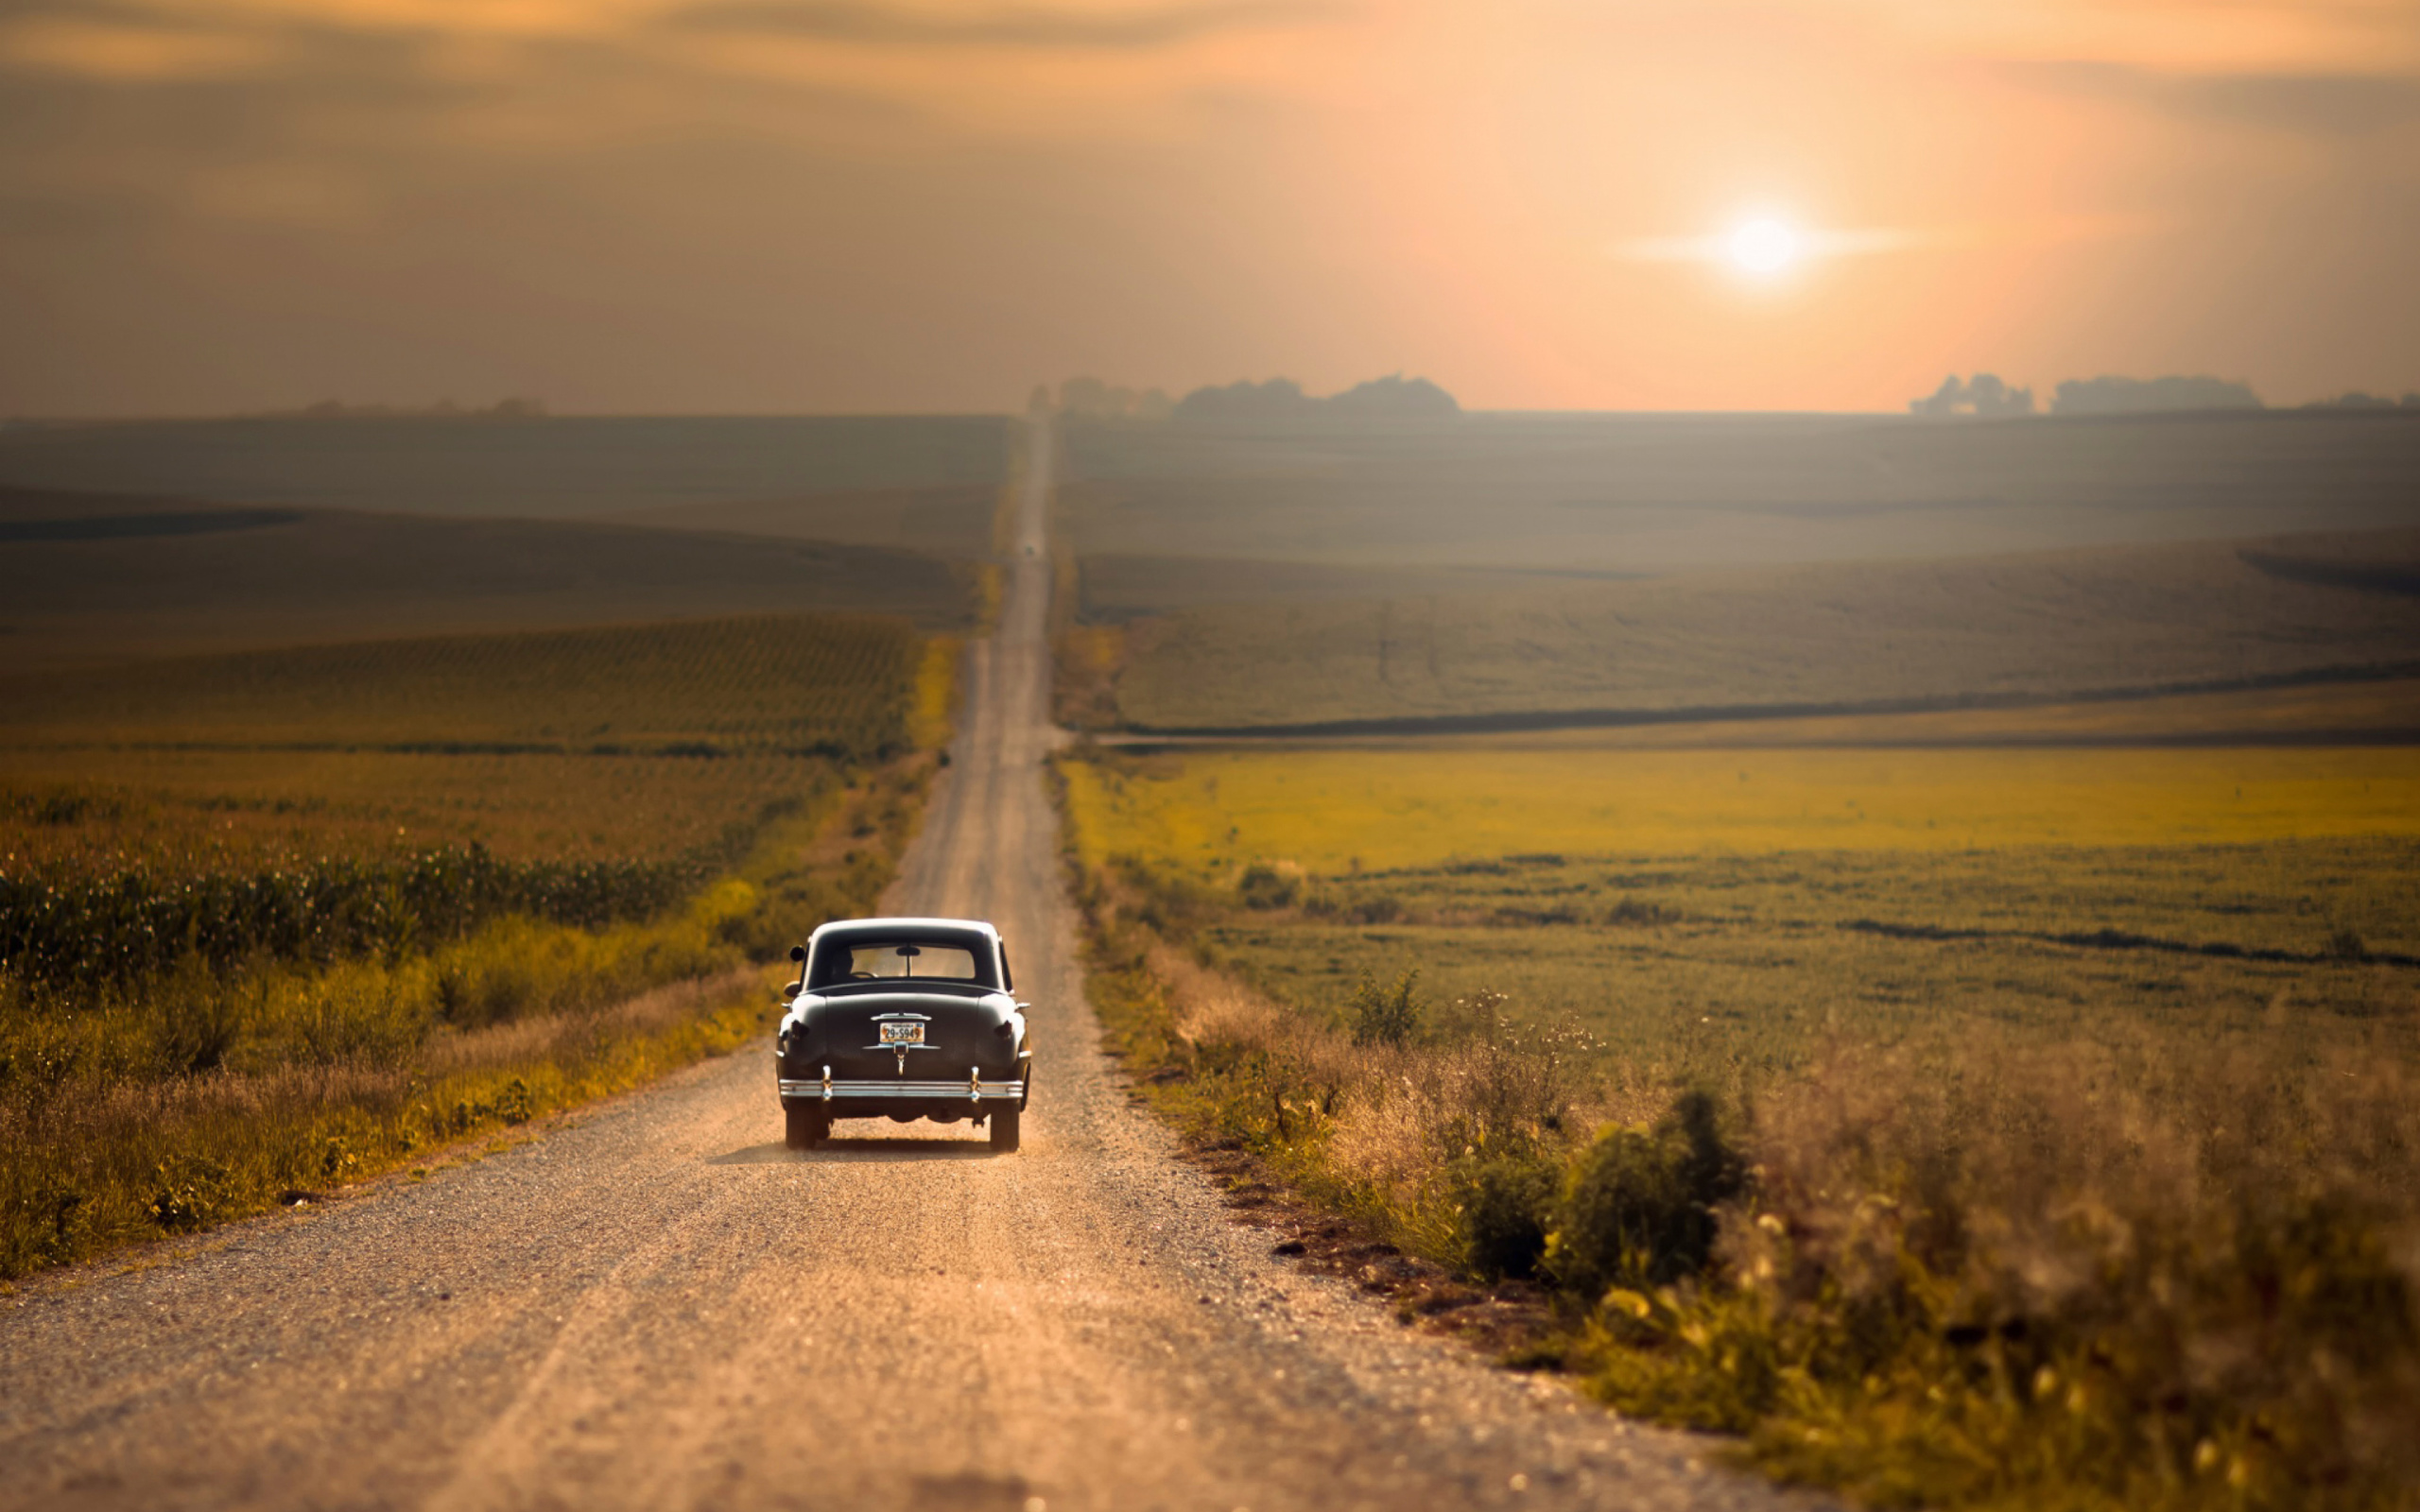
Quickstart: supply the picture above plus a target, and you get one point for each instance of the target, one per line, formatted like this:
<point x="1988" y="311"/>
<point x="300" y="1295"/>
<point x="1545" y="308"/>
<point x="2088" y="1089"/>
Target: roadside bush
<point x="1639" y="1205"/>
<point x="2023" y="1280"/>
<point x="1974" y="1273"/>
<point x="1506" y="1204"/>
<point x="1169" y="904"/>
<point x="1387" y="1015"/>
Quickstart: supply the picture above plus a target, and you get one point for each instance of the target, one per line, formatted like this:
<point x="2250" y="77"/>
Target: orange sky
<point x="669" y="205"/>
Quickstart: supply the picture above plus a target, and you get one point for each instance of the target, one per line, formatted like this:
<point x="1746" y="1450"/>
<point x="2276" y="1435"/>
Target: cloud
<point x="1009" y="28"/>
<point x="2332" y="105"/>
<point x="131" y="52"/>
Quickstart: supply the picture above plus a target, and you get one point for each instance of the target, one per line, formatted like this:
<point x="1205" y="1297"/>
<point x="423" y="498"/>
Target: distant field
<point x="2111" y="622"/>
<point x="1724" y="914"/>
<point x="2359" y="711"/>
<point x="557" y="468"/>
<point x="1339" y="812"/>
<point x="953" y="522"/>
<point x="1948" y="949"/>
<point x="1631" y="494"/>
<point x="92" y="579"/>
<point x="1112" y="589"/>
<point x="795" y="684"/>
<point x="630" y="743"/>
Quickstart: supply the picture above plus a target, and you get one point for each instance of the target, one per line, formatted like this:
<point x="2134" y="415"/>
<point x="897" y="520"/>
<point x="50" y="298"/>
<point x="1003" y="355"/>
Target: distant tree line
<point x="1094" y="400"/>
<point x="444" y="408"/>
<point x="1985" y="396"/>
<point x="1391" y="398"/>
<point x="1396" y="397"/>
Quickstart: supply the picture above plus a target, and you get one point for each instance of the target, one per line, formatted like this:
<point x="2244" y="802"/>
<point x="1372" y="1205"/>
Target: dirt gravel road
<point x="659" y="1307"/>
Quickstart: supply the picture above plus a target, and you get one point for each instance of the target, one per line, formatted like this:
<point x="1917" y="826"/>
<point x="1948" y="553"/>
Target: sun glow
<point x="1764" y="247"/>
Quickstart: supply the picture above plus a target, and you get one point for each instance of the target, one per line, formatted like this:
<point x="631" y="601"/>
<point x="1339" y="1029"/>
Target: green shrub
<point x="1378" y="908"/>
<point x="1387" y="1015"/>
<point x="1639" y="1205"/>
<point x="1264" y="886"/>
<point x="1505" y="1205"/>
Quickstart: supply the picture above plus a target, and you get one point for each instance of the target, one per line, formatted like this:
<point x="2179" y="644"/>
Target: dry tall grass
<point x="2005" y="1276"/>
<point x="1980" y="1273"/>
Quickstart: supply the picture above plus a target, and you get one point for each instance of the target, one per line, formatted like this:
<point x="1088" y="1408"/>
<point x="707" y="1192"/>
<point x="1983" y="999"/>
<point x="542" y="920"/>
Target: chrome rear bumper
<point x="973" y="1090"/>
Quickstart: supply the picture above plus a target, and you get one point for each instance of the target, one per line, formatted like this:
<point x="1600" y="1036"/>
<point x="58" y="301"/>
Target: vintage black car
<point x="903" y="1018"/>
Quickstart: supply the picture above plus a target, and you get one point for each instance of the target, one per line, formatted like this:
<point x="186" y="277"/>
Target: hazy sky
<point x="668" y="205"/>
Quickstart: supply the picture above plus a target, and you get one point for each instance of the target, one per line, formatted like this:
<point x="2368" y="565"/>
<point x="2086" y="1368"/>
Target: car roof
<point x="905" y="926"/>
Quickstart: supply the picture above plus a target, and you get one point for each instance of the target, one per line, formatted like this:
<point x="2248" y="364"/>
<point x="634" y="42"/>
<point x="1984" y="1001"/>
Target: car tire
<point x="1005" y="1130"/>
<point x="803" y="1128"/>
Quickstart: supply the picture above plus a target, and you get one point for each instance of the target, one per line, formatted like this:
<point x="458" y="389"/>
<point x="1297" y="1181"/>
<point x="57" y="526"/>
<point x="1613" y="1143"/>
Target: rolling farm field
<point x="1712" y="913"/>
<point x="2105" y="623"/>
<point x="1581" y="496"/>
<point x="274" y="920"/>
<point x="126" y="540"/>
<point x="1977" y="1021"/>
<point x="1904" y="937"/>
<point x="516" y="467"/>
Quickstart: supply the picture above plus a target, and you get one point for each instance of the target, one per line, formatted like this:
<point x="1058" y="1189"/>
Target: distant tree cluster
<point x="2358" y="400"/>
<point x="1391" y="398"/>
<point x="1096" y="400"/>
<point x="1984" y="396"/>
<point x="2140" y="396"/>
<point x="501" y="409"/>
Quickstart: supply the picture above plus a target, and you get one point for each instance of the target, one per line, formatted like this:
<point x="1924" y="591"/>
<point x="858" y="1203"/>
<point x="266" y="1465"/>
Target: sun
<point x="1764" y="247"/>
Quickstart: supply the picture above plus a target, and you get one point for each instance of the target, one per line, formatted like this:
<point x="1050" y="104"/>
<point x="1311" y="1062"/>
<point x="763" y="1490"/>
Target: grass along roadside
<point x="2149" y="1267"/>
<point x="195" y="1097"/>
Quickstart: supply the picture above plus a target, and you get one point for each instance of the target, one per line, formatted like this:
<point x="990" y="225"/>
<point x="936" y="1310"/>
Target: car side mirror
<point x="791" y="991"/>
<point x="797" y="952"/>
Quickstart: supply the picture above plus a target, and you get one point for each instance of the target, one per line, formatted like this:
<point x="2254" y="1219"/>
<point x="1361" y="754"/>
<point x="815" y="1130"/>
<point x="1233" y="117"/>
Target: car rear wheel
<point x="803" y="1128"/>
<point x="1003" y="1128"/>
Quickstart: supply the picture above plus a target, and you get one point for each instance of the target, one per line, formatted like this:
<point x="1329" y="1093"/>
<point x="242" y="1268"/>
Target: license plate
<point x="903" y="1034"/>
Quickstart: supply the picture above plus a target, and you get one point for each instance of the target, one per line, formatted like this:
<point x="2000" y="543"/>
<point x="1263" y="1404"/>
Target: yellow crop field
<point x="1345" y="810"/>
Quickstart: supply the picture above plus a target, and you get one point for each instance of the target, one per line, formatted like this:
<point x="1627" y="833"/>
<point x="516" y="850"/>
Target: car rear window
<point x="889" y="960"/>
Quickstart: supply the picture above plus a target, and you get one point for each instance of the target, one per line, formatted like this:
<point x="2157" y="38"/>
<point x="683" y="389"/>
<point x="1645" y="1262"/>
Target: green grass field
<point x="1697" y="909"/>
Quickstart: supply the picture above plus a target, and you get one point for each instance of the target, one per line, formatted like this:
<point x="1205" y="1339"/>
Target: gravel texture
<point x="657" y="1306"/>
